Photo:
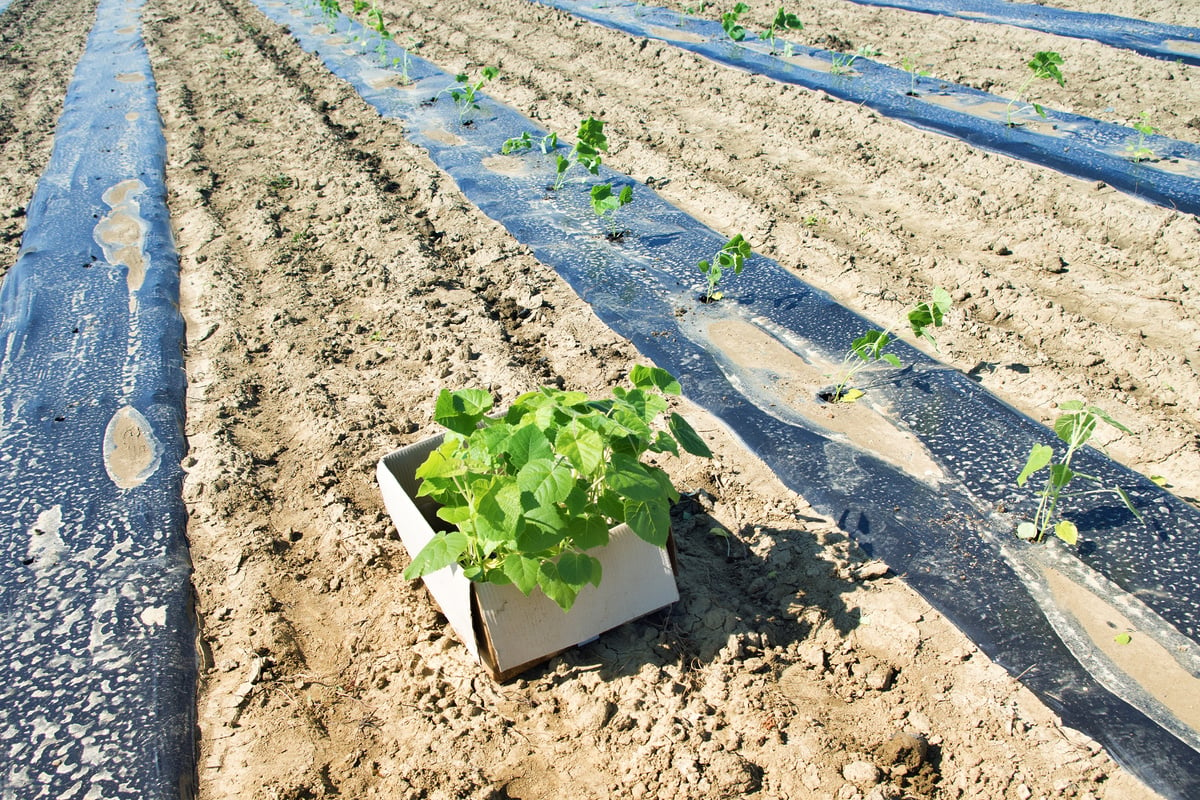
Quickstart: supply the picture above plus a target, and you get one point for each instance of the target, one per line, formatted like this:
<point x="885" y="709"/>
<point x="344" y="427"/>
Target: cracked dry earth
<point x="334" y="279"/>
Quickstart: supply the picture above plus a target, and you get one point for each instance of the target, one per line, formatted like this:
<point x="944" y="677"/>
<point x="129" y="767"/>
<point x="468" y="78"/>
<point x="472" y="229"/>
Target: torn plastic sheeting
<point x="1075" y="145"/>
<point x="943" y="535"/>
<point x="1154" y="39"/>
<point x="97" y="663"/>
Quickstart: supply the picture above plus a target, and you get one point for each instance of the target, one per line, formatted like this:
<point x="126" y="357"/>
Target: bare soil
<point x="334" y="279"/>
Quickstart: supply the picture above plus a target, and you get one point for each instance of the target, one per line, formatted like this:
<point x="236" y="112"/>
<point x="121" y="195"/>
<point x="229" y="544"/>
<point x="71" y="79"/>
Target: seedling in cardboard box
<point x="531" y="492"/>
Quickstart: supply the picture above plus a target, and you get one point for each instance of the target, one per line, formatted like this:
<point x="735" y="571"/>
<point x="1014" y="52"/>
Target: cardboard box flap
<point x="449" y="588"/>
<point x="637" y="579"/>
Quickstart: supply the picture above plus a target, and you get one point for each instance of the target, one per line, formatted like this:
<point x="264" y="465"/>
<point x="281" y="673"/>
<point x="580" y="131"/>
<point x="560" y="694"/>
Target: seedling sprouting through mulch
<point x="731" y="257"/>
<point x="869" y="348"/>
<point x="1138" y="151"/>
<point x="729" y="21"/>
<point x="782" y="22"/>
<point x="465" y="92"/>
<point x="1043" y="66"/>
<point x="843" y="63"/>
<point x="1075" y="427"/>
<point x="606" y="203"/>
<point x="914" y="71"/>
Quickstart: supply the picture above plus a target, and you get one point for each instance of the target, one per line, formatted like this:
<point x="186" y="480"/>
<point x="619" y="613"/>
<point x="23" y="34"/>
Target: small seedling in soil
<point x="729" y="21"/>
<point x="914" y="71"/>
<point x="590" y="141"/>
<point x="528" y="493"/>
<point x="331" y="10"/>
<point x="781" y="23"/>
<point x="1043" y="66"/>
<point x="464" y="93"/>
<point x="869" y="348"/>
<point x="519" y="144"/>
<point x="606" y="204"/>
<point x="843" y="62"/>
<point x="731" y="257"/>
<point x="1138" y="151"/>
<point x="697" y="8"/>
<point x="1075" y="427"/>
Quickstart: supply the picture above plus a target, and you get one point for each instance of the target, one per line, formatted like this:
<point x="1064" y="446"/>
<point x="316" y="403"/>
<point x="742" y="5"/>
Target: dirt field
<point x="334" y="279"/>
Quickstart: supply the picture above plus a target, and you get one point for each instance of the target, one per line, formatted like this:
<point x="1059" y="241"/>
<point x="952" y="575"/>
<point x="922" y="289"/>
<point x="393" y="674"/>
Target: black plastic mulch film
<point x="1164" y="42"/>
<point x="98" y="656"/>
<point x="1069" y="143"/>
<point x="942" y="533"/>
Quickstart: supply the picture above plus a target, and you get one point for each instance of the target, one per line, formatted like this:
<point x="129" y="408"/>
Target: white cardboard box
<point x="503" y="629"/>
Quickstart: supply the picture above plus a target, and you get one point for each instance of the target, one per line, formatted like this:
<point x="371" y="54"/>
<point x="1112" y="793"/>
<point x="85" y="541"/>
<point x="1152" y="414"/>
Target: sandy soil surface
<point x="334" y="279"/>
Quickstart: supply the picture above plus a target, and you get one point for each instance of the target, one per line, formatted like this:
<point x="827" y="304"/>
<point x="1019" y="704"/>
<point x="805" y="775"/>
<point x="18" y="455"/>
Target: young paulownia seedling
<point x="869" y="348"/>
<point x="729" y="21"/>
<point x="519" y="144"/>
<point x="1074" y="426"/>
<point x="730" y="258"/>
<point x="530" y="492"/>
<point x="1138" y="151"/>
<point x="782" y="22"/>
<point x="465" y="93"/>
<point x="914" y="71"/>
<point x="605" y="203"/>
<point x="1043" y="66"/>
<point x="843" y="63"/>
<point x="590" y="141"/>
<point x="696" y="8"/>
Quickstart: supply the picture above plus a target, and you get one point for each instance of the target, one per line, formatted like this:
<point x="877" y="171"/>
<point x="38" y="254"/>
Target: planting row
<point x="1136" y="160"/>
<point x="98" y="658"/>
<point x="1166" y="42"/>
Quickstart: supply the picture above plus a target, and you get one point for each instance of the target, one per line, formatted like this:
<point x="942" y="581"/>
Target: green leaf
<point x="522" y="571"/>
<point x="588" y="531"/>
<point x="440" y="463"/>
<point x="1122" y="638"/>
<point x="1060" y="475"/>
<point x="454" y="514"/>
<point x="462" y="410"/>
<point x="631" y="479"/>
<point x="578" y="569"/>
<point x="651" y="521"/>
<point x="891" y="359"/>
<point x="544" y="530"/>
<point x="1045" y="66"/>
<point x="441" y="551"/>
<point x="687" y="437"/>
<point x="1039" y="456"/>
<point x="664" y="443"/>
<point x="548" y="481"/>
<point x="555" y="587"/>
<point x="1102" y="414"/>
<point x="528" y="443"/>
<point x="581" y="446"/>
<point x="1067" y="531"/>
<point x="1127" y="501"/>
<point x="644" y="377"/>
